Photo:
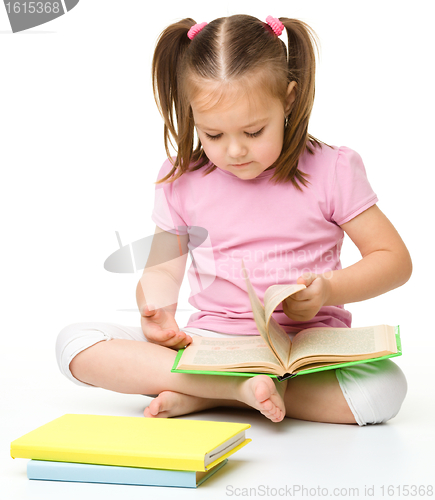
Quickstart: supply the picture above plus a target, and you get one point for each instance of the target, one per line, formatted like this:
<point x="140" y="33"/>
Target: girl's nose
<point x="237" y="149"/>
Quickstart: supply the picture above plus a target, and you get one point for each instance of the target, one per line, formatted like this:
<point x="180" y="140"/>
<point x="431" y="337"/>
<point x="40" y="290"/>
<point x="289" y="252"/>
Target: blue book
<point x="88" y="473"/>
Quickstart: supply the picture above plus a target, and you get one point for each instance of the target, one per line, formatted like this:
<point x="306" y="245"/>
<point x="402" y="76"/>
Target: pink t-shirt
<point x="279" y="231"/>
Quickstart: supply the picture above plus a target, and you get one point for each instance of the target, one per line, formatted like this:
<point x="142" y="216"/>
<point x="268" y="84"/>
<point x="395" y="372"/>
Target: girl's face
<point x="242" y="135"/>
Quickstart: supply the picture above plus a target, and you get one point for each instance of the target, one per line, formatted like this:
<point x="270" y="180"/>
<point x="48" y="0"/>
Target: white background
<point x="81" y="145"/>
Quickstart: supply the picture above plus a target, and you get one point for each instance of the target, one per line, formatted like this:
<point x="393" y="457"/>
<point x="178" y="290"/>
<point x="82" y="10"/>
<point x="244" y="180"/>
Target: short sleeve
<point x="351" y="191"/>
<point x="166" y="212"/>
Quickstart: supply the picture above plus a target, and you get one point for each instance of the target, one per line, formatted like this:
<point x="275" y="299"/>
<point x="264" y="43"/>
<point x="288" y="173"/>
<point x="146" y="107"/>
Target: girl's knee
<point x="72" y="340"/>
<point x="374" y="391"/>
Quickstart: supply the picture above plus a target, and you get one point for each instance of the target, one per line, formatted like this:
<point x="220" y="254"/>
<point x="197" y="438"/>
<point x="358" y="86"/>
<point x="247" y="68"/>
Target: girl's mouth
<point x="238" y="165"/>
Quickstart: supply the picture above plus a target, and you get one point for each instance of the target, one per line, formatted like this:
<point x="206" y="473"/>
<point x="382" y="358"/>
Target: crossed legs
<point x="142" y="368"/>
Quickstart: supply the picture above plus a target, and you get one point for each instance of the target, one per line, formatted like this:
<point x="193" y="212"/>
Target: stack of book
<point x="129" y="450"/>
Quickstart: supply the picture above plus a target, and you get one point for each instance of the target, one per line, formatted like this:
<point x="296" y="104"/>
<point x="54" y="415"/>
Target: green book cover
<point x="331" y="366"/>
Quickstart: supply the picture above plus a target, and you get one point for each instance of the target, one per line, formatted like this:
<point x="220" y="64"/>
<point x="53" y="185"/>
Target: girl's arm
<point x="385" y="265"/>
<point x="163" y="274"/>
<point x="159" y="287"/>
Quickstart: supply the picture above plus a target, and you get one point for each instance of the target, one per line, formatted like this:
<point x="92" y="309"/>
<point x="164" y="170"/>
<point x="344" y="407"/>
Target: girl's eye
<point x="255" y="134"/>
<point x="213" y="137"/>
<point x="218" y="136"/>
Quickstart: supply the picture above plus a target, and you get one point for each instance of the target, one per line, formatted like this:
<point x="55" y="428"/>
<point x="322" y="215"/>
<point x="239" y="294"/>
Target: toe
<point x="147" y="413"/>
<point x="264" y="389"/>
<point x="155" y="407"/>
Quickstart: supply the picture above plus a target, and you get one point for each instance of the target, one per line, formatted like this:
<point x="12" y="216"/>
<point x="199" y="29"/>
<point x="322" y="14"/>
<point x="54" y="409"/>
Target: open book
<point x="273" y="353"/>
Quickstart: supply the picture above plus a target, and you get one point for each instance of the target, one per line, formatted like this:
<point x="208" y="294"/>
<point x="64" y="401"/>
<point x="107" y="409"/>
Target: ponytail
<point x="166" y="64"/>
<point x="301" y="64"/>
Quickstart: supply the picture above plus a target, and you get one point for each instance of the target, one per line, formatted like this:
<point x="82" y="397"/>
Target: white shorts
<point x="373" y="391"/>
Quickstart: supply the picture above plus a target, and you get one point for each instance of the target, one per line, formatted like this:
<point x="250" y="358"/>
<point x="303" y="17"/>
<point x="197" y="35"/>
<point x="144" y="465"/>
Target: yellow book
<point x="171" y="444"/>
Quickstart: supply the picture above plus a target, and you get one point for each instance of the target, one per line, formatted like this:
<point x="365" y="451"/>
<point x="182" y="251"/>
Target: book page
<point x="211" y="352"/>
<point x="257" y="308"/>
<point x="274" y="295"/>
<point x="273" y="334"/>
<point x="343" y="342"/>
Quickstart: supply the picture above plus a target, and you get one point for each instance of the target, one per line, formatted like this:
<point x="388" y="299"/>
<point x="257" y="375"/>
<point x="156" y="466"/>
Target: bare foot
<point x="257" y="392"/>
<point x="261" y="393"/>
<point x="172" y="404"/>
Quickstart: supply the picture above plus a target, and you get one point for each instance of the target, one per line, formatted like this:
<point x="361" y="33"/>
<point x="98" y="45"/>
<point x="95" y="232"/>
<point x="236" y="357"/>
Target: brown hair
<point x="227" y="50"/>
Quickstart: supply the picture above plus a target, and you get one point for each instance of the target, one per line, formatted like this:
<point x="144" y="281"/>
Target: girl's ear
<point x="291" y="96"/>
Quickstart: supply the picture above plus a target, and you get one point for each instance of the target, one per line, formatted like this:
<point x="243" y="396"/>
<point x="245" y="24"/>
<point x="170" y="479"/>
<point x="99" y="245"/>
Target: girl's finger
<point x="300" y="296"/>
<point x="306" y="279"/>
<point x="179" y="341"/>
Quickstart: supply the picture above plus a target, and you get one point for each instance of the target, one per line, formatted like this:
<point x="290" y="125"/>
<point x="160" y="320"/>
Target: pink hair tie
<point x="275" y="24"/>
<point x="194" y="30"/>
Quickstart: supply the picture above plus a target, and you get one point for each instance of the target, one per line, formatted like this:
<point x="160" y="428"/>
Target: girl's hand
<point x="304" y="305"/>
<point x="160" y="327"/>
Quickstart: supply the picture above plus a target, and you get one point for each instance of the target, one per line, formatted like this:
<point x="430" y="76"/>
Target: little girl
<point x="256" y="186"/>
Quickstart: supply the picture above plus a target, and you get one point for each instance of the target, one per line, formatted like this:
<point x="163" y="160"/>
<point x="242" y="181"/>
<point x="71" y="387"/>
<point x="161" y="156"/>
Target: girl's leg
<point x="317" y="397"/>
<point x="139" y="367"/>
<point x="373" y="391"/>
<point x="75" y="338"/>
<point x="143" y="368"/>
<point x="173" y="404"/>
<point x="368" y="393"/>
<point x="365" y="393"/>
